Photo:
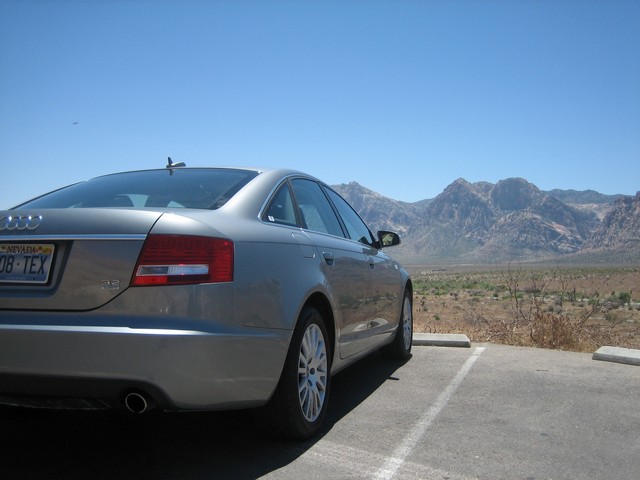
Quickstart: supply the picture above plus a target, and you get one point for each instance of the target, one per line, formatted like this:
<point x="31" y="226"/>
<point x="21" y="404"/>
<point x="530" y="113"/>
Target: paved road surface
<point x="489" y="412"/>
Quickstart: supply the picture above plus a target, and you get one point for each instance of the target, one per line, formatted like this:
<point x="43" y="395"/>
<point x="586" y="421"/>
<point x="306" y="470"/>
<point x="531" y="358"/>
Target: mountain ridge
<point x="511" y="220"/>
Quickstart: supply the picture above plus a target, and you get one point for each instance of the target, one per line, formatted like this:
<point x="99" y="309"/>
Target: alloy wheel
<point x="312" y="372"/>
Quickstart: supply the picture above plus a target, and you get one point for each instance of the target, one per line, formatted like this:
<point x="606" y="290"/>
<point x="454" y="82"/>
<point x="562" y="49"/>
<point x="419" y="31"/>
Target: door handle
<point x="328" y="257"/>
<point x="372" y="264"/>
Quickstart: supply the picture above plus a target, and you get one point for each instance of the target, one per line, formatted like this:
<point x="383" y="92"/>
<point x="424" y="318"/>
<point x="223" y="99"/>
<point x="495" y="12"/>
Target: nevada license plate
<point x="25" y="262"/>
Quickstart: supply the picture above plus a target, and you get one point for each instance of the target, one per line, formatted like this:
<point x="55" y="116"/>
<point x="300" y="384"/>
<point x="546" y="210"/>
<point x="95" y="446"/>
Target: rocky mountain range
<point x="509" y="221"/>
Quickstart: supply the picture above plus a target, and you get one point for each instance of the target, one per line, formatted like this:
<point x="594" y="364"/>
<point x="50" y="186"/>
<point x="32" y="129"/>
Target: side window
<point x="281" y="209"/>
<point x="356" y="228"/>
<point x="315" y="209"/>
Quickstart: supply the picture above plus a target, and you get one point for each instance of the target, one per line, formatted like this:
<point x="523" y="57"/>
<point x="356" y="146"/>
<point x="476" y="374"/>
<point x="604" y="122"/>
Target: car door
<point x="344" y="262"/>
<point x="382" y="305"/>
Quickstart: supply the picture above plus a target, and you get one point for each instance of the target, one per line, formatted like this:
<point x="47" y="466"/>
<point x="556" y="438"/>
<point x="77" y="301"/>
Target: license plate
<point x="25" y="262"/>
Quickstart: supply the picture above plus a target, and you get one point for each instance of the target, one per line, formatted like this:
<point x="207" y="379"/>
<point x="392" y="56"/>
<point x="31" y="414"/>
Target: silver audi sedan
<point x="194" y="289"/>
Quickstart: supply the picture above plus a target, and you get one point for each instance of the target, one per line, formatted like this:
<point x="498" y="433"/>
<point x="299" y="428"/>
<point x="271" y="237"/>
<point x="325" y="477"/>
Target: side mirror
<point x="388" y="239"/>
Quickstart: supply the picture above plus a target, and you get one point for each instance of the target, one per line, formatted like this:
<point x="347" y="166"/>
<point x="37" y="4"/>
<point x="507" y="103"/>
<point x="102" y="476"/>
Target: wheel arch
<point x="409" y="286"/>
<point x="321" y="303"/>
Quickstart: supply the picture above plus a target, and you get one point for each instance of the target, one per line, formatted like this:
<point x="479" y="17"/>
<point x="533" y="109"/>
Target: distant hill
<point x="511" y="220"/>
<point x="381" y="212"/>
<point x="583" y="197"/>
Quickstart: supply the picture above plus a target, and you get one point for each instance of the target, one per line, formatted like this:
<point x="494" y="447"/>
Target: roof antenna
<point x="170" y="164"/>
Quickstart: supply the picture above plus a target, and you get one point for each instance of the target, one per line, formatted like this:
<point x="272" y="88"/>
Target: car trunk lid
<point x="69" y="259"/>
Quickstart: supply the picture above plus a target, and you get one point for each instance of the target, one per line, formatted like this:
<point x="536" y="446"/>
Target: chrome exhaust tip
<point x="137" y="402"/>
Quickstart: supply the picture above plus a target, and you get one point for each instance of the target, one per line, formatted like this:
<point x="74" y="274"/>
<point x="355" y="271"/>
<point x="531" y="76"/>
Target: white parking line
<point x="359" y="463"/>
<point x="395" y="462"/>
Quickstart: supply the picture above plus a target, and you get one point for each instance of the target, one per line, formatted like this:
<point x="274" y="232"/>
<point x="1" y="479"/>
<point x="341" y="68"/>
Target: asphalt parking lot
<point x="489" y="411"/>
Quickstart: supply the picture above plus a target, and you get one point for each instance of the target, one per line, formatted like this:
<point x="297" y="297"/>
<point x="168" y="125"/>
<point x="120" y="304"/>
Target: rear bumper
<point x="177" y="369"/>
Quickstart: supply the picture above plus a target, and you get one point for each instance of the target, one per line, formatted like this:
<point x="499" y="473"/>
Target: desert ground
<point x="567" y="308"/>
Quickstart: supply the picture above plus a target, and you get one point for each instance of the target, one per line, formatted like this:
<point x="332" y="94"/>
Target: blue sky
<point x="403" y="97"/>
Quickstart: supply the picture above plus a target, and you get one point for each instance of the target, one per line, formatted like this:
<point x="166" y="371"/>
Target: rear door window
<point x="314" y="208"/>
<point x="356" y="229"/>
<point x="281" y="209"/>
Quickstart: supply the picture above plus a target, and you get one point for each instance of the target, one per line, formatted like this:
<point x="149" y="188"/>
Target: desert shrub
<point x="624" y="297"/>
<point x="554" y="330"/>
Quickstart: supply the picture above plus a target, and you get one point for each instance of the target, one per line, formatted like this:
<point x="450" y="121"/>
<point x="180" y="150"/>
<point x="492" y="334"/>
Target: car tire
<point x="400" y="347"/>
<point x="299" y="403"/>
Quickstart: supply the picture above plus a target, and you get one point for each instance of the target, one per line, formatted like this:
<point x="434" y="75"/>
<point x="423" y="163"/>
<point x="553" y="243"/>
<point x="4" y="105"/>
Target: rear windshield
<point x="178" y="188"/>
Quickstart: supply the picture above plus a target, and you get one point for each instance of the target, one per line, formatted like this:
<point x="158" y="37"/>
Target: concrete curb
<point x="618" y="355"/>
<point x="627" y="356"/>
<point x="441" y="340"/>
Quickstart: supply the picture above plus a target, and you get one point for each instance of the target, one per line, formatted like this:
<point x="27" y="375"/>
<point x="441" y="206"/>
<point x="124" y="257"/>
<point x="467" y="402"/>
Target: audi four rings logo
<point x="19" y="222"/>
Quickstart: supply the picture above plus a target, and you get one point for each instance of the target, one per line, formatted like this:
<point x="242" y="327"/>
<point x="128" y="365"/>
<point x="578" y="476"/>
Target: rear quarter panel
<point x="274" y="274"/>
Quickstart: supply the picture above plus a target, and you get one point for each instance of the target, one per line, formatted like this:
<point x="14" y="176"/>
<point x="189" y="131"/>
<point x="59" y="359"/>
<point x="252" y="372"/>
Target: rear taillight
<point x="183" y="259"/>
